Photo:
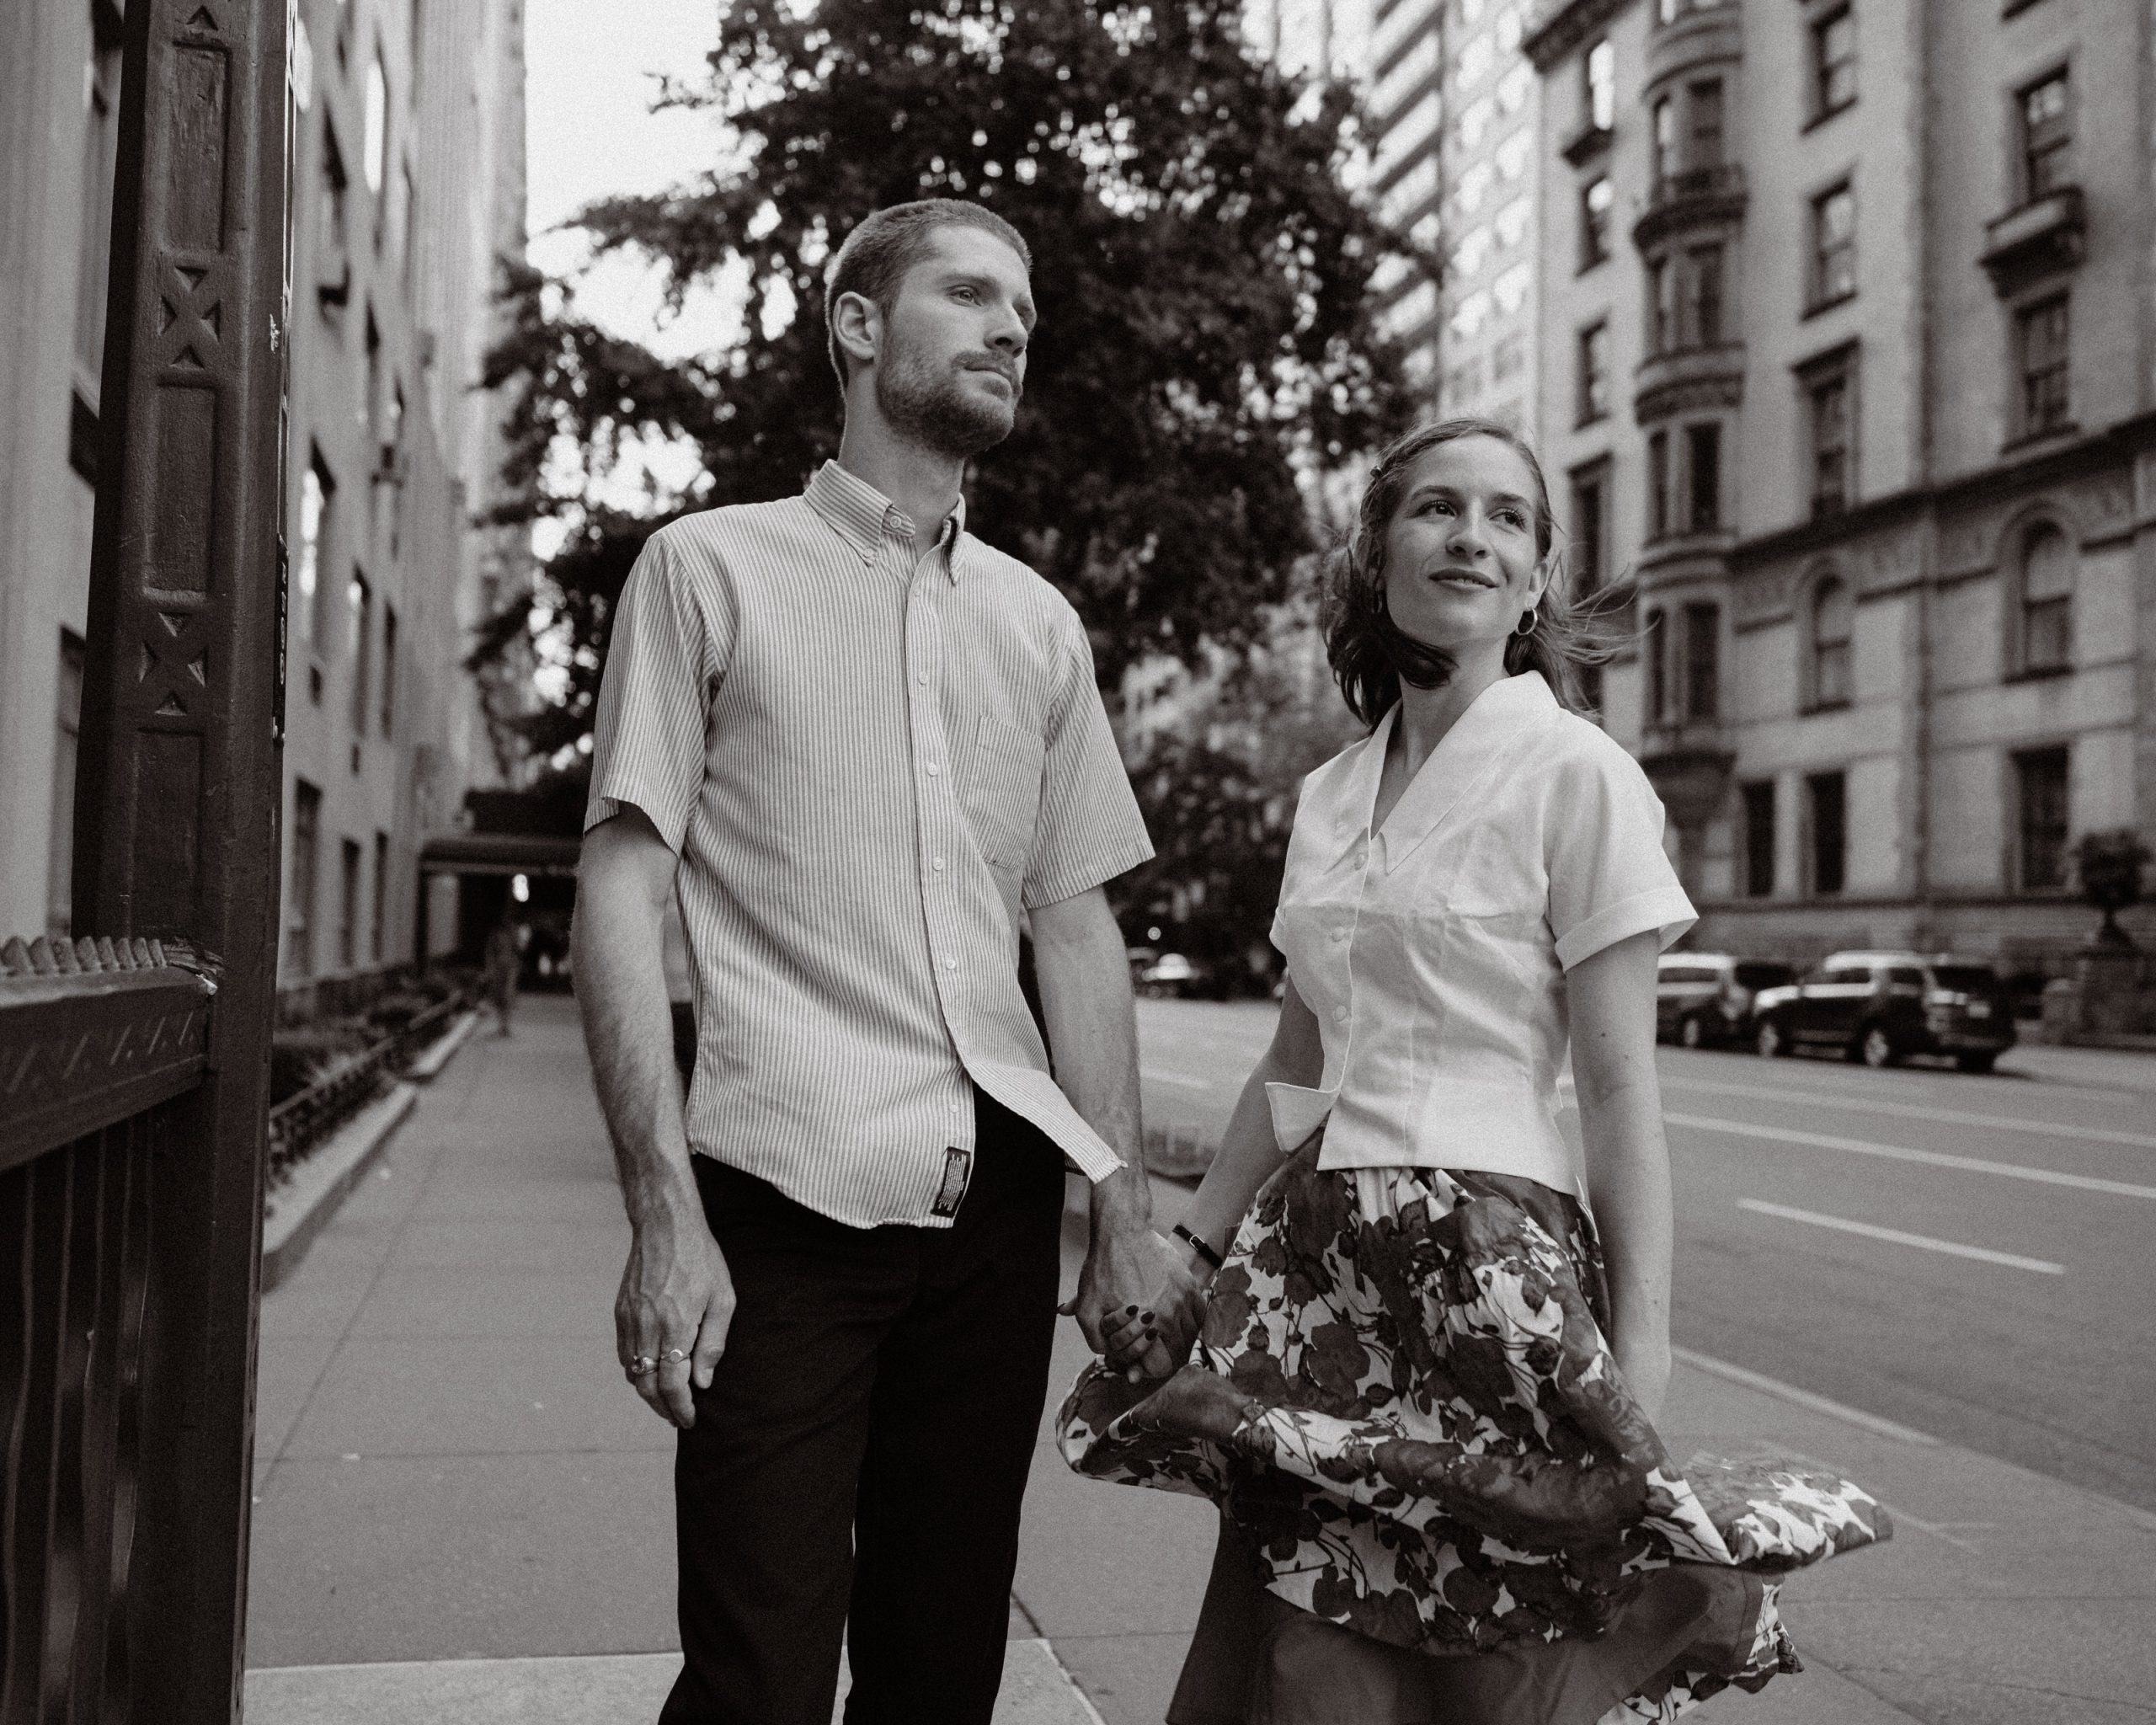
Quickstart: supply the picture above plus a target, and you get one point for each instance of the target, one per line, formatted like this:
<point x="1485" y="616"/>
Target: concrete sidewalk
<point x="462" y="1514"/>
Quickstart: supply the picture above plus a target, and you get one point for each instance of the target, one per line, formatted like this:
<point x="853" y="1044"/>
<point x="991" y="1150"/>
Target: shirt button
<point x="950" y="963"/>
<point x="1338" y="936"/>
<point x="1340" y="1013"/>
<point x="934" y="769"/>
<point x="922" y="680"/>
<point x="938" y="865"/>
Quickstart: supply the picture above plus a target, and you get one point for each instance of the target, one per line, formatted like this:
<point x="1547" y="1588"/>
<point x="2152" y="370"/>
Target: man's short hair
<point x="877" y="255"/>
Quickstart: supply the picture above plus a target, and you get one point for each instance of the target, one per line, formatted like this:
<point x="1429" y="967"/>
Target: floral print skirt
<point x="1403" y="1403"/>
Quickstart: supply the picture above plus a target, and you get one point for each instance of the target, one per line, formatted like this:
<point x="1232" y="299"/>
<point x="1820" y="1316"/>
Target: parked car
<point x="1704" y="998"/>
<point x="1170" y="974"/>
<point x="1881" y="1007"/>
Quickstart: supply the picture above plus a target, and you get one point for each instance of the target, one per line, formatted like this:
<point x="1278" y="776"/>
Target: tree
<point x="1206" y="342"/>
<point x="2109" y="866"/>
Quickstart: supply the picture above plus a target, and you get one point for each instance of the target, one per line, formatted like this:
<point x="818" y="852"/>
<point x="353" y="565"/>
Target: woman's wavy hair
<point x="1372" y="656"/>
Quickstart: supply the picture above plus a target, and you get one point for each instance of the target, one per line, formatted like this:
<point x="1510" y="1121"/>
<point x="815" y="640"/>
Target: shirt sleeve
<point x="1089" y="830"/>
<point x="1609" y="877"/>
<point x="664" y="661"/>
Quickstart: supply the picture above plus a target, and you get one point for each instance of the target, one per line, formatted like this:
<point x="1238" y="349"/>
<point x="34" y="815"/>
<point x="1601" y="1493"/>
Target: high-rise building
<point x="1851" y="365"/>
<point x="407" y="178"/>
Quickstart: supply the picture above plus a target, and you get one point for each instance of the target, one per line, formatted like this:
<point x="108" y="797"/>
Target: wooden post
<point x="180" y="785"/>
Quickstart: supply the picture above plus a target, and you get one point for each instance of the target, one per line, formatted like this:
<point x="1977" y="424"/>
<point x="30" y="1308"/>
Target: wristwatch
<point x="1183" y="1232"/>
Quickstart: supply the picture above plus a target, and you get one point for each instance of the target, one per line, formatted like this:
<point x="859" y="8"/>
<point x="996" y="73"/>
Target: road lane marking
<point x="1914" y="1111"/>
<point x="1895" y="1152"/>
<point x="1982" y="1254"/>
<point x="1803" y="1398"/>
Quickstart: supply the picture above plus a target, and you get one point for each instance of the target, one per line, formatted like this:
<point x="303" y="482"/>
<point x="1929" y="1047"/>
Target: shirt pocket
<point x="1002" y="791"/>
<point x="1493" y="897"/>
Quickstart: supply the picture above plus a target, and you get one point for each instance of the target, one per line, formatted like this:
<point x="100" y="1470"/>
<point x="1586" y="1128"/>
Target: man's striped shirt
<point x="869" y="754"/>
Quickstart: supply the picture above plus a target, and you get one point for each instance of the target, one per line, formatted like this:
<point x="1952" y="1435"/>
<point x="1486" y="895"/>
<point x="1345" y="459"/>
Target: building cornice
<point x="1568" y="24"/>
<point x="2114" y="446"/>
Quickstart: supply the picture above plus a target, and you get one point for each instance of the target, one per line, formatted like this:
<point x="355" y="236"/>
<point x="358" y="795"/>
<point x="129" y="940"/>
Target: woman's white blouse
<point x="1433" y="951"/>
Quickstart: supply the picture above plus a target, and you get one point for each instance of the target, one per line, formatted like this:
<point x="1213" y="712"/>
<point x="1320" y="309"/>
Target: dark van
<point x="1881" y="1007"/>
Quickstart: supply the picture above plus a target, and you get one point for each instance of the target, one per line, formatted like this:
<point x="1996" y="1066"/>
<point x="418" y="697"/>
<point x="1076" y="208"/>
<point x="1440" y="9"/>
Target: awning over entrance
<point x="499" y="853"/>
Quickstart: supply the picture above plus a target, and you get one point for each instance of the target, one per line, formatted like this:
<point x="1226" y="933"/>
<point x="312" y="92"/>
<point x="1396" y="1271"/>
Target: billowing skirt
<point x="1403" y="1401"/>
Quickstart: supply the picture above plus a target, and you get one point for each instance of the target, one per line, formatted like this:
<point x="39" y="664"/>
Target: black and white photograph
<point x="1078" y="862"/>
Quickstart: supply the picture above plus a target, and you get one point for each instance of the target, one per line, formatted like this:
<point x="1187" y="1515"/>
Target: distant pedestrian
<point x="1437" y="1338"/>
<point x="503" y="957"/>
<point x="866" y="748"/>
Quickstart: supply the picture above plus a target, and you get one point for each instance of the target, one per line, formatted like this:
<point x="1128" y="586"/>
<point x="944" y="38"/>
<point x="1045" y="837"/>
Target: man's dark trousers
<point x="858" y="1463"/>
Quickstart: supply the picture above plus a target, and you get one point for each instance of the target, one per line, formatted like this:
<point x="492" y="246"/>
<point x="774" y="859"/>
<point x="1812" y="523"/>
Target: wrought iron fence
<point x="301" y="1122"/>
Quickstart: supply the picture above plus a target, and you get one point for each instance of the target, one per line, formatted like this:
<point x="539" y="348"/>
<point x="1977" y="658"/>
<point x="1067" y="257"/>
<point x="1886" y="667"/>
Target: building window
<point x="1827" y="391"/>
<point x="2047" y="138"/>
<point x="388" y="668"/>
<point x="100" y="153"/>
<point x="1658" y="657"/>
<point x="66" y="749"/>
<point x="2043" y="335"/>
<point x="1833" y="62"/>
<point x="1703" y="472"/>
<point x="1590" y="528"/>
<point x="299" y="902"/>
<point x="1759" y="840"/>
<point x="1827" y="797"/>
<point x="1601" y="71"/>
<point x="2040" y="784"/>
<point x="1597" y="202"/>
<point x="1702" y="661"/>
<point x="2047" y="600"/>
<point x="1833" y="627"/>
<point x="1703" y="114"/>
<point x="1701" y="317"/>
<point x="1665" y="142"/>
<point x="1658" y="485"/>
<point x="1593" y="402"/>
<point x="335" y="184"/>
<point x="1661" y="307"/>
<point x="381" y="895"/>
<point x="318" y="493"/>
<point x="1833" y="246"/>
<point x="348" y="909"/>
<point x="360" y="602"/>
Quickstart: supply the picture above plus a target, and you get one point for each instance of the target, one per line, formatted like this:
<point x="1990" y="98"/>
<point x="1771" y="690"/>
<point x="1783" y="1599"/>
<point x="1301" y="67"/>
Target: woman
<point x="1424" y="1390"/>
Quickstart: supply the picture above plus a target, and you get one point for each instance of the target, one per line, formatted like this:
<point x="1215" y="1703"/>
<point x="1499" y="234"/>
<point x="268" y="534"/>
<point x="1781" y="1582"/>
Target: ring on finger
<point x="676" y="1356"/>
<point x="642" y="1367"/>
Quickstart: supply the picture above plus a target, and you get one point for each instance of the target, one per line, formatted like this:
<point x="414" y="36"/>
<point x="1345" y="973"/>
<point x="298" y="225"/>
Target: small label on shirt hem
<point x="957" y="1166"/>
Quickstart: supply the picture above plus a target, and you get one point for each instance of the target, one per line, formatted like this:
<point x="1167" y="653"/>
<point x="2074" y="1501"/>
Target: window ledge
<point x="1583" y="146"/>
<point x="2039" y="673"/>
<point x="2029" y="441"/>
<point x="1820" y="116"/>
<point x="1811" y="707"/>
<point x="2044" y="237"/>
<point x="1590" y="264"/>
<point x="1813" y="308"/>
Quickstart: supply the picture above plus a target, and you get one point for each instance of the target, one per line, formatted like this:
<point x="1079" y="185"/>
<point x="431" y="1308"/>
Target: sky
<point x="590" y="133"/>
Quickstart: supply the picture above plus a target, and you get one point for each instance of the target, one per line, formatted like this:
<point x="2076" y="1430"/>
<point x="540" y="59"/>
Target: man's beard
<point x="937" y="410"/>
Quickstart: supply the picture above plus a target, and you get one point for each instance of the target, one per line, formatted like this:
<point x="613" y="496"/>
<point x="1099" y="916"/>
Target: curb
<point x="323" y="1181"/>
<point x="443" y="1049"/>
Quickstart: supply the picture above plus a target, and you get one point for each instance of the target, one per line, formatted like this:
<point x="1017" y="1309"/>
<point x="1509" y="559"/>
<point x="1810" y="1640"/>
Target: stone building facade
<point x="1850" y="365"/>
<point x="407" y="177"/>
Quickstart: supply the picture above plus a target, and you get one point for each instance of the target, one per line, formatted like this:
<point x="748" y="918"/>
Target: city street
<point x="1965" y="1256"/>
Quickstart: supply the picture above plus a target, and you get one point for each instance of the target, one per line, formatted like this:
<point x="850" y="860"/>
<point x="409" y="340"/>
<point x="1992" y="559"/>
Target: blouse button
<point x="1340" y="1014"/>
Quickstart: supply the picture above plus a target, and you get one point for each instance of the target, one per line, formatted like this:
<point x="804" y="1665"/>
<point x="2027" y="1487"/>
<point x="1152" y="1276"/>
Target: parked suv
<point x="1703" y="998"/>
<point x="1880" y="1008"/>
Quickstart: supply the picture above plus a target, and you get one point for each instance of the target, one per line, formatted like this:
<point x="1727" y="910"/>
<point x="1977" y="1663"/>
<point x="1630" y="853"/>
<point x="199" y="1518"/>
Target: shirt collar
<point x="1495" y="720"/>
<point x="859" y="514"/>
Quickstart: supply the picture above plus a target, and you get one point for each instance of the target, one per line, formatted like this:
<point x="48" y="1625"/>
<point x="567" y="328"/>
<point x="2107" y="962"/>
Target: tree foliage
<point x="1206" y="338"/>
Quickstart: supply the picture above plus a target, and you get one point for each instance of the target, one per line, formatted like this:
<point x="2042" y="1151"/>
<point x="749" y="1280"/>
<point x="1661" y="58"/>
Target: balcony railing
<point x="1687" y="197"/>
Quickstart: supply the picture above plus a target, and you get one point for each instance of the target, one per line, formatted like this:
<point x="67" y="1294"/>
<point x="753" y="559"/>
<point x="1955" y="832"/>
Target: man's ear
<point x="858" y="326"/>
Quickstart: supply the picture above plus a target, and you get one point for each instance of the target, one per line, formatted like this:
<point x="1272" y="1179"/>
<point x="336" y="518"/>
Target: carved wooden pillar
<point x="177" y="821"/>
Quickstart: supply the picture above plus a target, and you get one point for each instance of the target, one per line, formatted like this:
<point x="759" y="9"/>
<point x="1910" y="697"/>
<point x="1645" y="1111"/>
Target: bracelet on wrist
<point x="1204" y="1250"/>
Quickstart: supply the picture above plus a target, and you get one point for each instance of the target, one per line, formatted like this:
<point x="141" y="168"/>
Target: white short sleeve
<point x="664" y="661"/>
<point x="1610" y="877"/>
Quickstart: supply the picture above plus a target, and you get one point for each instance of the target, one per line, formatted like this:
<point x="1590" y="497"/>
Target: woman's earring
<point x="1530" y="619"/>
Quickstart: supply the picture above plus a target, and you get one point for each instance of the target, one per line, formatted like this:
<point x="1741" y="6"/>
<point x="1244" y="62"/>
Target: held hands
<point x="1139" y="1302"/>
<point x="672" y="1315"/>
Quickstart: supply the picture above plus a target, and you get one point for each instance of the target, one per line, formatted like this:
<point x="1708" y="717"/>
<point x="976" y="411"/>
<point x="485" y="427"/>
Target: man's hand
<point x="1136" y="1288"/>
<point x="671" y="1316"/>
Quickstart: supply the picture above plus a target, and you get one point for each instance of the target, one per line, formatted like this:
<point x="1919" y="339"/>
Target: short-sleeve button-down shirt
<point x="872" y="753"/>
<point x="1434" y="951"/>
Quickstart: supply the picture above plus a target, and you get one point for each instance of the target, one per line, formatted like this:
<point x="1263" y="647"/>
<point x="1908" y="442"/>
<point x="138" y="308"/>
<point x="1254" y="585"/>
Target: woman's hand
<point x="1129" y="1331"/>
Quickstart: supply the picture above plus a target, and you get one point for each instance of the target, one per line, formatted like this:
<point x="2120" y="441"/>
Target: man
<point x="868" y="742"/>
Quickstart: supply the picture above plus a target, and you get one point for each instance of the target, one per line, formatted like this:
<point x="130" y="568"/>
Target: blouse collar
<point x="1479" y="737"/>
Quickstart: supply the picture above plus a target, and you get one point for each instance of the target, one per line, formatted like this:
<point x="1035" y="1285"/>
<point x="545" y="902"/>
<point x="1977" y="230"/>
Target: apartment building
<point x="1850" y="364"/>
<point x="407" y="187"/>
